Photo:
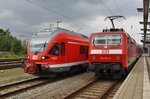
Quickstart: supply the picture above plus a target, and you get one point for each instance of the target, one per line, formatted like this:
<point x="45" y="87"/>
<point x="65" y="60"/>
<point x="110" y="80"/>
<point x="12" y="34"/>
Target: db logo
<point x="35" y="57"/>
<point x="105" y="51"/>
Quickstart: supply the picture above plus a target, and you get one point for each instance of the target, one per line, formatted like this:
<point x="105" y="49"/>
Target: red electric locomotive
<point x="112" y="52"/>
<point x="52" y="52"/>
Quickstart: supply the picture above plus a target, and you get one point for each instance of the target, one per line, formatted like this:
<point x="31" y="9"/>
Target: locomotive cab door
<point x="62" y="52"/>
<point x="55" y="53"/>
<point x="55" y="49"/>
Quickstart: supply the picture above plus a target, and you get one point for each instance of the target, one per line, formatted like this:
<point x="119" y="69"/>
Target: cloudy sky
<point x="25" y="17"/>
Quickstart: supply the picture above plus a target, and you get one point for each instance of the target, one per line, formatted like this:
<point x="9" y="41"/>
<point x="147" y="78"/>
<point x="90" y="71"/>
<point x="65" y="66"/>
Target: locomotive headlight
<point x="28" y="57"/>
<point x="117" y="57"/>
<point x="43" y="57"/>
<point x="93" y="57"/>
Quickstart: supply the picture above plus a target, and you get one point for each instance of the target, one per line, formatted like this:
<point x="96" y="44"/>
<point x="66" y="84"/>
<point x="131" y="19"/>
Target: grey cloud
<point x="26" y="16"/>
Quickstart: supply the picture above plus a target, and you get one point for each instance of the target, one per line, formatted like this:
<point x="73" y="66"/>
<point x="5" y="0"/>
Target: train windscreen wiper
<point x="36" y="52"/>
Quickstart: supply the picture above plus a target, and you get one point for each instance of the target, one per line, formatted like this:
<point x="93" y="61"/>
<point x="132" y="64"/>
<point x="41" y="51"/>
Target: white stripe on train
<point x="66" y="64"/>
<point x="116" y="51"/>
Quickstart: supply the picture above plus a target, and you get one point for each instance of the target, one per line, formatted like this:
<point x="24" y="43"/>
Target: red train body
<point x="112" y="52"/>
<point x="56" y="52"/>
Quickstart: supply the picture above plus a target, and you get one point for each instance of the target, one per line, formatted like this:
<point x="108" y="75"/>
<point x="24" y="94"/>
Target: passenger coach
<point x="56" y="51"/>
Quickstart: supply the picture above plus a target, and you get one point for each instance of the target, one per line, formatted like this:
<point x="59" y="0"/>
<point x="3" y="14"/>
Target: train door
<point x="58" y="52"/>
<point x="55" y="49"/>
<point x="55" y="52"/>
<point x="86" y="52"/>
<point x="62" y="52"/>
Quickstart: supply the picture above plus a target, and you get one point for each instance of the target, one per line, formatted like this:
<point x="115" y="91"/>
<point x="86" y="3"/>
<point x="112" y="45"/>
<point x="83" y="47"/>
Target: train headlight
<point x="117" y="57"/>
<point x="43" y="57"/>
<point x="93" y="57"/>
<point x="28" y="57"/>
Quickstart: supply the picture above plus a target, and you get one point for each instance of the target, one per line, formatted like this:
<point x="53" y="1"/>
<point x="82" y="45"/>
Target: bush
<point x="11" y="46"/>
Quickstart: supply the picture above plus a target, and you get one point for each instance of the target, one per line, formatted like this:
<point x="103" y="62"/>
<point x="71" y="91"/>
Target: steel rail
<point x="87" y="91"/>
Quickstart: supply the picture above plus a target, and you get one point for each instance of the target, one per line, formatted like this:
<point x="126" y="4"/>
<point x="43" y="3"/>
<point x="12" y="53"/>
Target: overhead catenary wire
<point x="106" y="7"/>
<point x="100" y="1"/>
<point x="121" y="12"/>
<point x="118" y="8"/>
<point x="65" y="5"/>
<point x="109" y="10"/>
<point x="76" y="12"/>
<point x="57" y="13"/>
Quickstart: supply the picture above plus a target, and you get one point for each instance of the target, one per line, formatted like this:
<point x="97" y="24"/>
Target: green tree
<point x="5" y="40"/>
<point x="16" y="46"/>
<point x="11" y="44"/>
<point x="24" y="48"/>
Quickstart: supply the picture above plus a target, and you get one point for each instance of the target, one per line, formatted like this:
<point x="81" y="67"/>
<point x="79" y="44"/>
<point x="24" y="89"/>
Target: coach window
<point x="62" y="48"/>
<point x="55" y="49"/>
<point x="82" y="49"/>
<point x="87" y="52"/>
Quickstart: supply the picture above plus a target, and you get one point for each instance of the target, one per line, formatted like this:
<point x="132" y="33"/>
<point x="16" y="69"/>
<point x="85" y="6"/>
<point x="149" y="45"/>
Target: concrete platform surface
<point x="136" y="85"/>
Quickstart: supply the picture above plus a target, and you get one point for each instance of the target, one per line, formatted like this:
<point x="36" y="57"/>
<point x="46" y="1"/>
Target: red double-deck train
<point x="112" y="52"/>
<point x="52" y="52"/>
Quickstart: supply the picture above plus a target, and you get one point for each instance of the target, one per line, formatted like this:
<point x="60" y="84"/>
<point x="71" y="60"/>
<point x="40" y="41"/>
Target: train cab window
<point x="101" y="39"/>
<point x="55" y="49"/>
<point x="107" y="39"/>
<point x="114" y="39"/>
<point x="62" y="48"/>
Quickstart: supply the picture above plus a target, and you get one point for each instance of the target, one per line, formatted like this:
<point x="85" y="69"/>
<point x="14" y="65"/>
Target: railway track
<point x="16" y="88"/>
<point x="22" y="86"/>
<point x="97" y="89"/>
<point x="10" y="63"/>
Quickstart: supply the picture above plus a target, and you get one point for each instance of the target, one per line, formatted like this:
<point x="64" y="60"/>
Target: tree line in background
<point x="8" y="43"/>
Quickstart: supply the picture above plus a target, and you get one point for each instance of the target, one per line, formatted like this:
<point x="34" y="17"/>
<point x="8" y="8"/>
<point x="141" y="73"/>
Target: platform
<point x="137" y="83"/>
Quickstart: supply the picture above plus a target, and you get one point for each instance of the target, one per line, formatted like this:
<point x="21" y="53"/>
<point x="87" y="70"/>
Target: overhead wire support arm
<point x="145" y="22"/>
<point x="111" y="18"/>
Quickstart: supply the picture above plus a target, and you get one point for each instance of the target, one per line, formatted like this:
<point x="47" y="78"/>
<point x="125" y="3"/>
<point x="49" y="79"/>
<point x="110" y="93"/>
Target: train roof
<point x="72" y="32"/>
<point x="113" y="30"/>
<point x="59" y="30"/>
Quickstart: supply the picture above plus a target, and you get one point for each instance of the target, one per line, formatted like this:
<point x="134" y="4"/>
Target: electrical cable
<point x="55" y="12"/>
<point x="109" y="10"/>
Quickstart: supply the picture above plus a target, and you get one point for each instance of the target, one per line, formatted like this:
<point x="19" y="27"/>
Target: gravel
<point x="57" y="90"/>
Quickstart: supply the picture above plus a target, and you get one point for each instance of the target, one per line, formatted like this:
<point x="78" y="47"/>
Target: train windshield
<point x="39" y="41"/>
<point x="107" y="39"/>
